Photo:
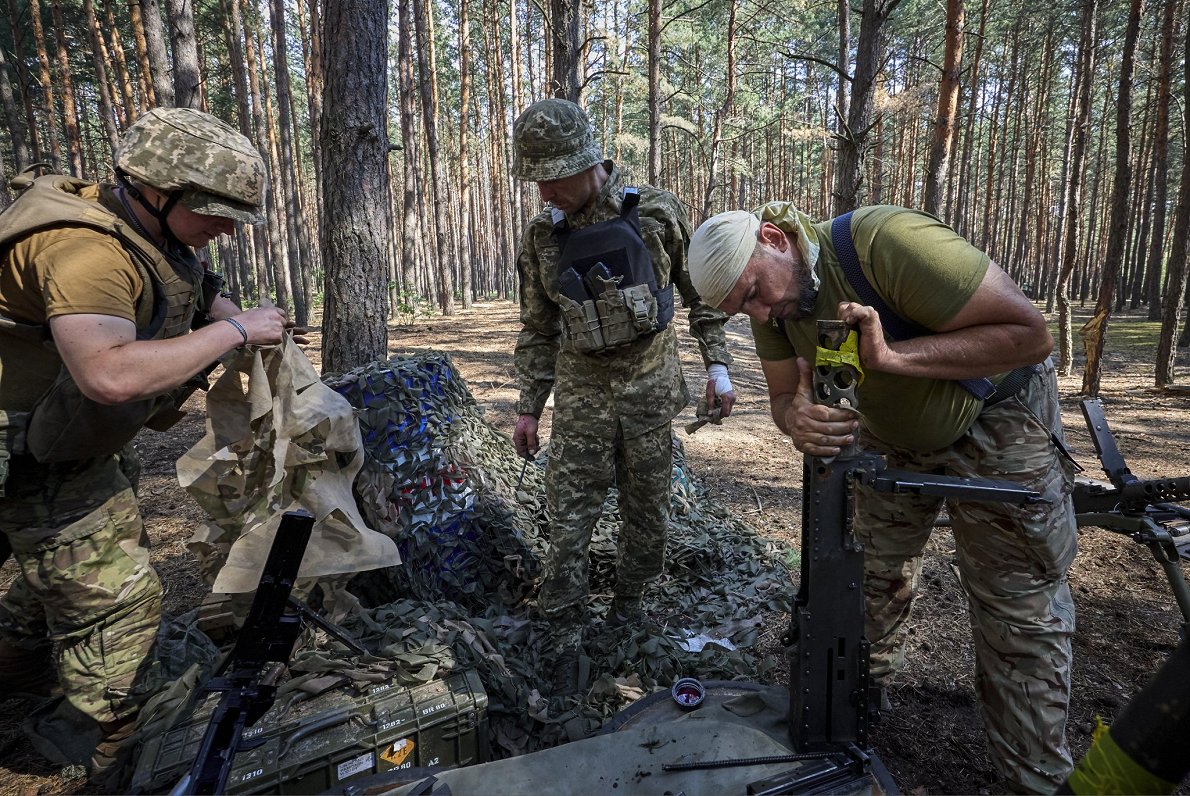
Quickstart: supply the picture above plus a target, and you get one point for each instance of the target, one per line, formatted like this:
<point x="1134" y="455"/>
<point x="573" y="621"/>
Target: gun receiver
<point x="1144" y="510"/>
<point x="248" y="676"/>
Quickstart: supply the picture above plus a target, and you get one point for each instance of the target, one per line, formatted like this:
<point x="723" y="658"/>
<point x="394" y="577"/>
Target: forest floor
<point x="933" y="742"/>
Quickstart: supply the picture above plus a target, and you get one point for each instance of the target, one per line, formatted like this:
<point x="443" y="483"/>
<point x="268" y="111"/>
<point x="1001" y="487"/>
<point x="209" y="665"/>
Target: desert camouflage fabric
<point x="552" y="139"/>
<point x="182" y="149"/>
<point x="277" y="439"/>
<point x="448" y="487"/>
<point x="1012" y="563"/>
<point x="85" y="580"/>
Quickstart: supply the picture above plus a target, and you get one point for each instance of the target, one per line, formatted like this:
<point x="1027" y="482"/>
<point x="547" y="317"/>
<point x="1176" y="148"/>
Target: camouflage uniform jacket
<point x="638" y="386"/>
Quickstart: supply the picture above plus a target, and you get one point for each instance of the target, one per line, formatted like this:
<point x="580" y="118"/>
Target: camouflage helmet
<point x="217" y="169"/>
<point x="552" y="139"/>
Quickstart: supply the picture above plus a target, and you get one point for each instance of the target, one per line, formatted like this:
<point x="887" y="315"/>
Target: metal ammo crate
<point x="312" y="745"/>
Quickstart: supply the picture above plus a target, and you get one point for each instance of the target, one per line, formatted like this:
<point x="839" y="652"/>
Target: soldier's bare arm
<point x="111" y="366"/>
<point x="997" y="330"/>
<point x="815" y="429"/>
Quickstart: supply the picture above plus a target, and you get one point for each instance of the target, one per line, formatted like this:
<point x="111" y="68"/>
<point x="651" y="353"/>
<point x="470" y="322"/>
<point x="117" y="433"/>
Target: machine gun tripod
<point x="1146" y="511"/>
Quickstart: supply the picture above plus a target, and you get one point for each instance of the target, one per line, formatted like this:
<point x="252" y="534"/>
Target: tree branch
<point x="812" y="59"/>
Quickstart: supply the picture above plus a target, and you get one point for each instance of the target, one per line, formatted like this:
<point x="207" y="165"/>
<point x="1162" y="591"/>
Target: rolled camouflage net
<point x="442" y="482"/>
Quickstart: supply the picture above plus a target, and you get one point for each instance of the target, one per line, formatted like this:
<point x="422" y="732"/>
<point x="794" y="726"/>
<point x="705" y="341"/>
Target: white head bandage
<point x="719" y="251"/>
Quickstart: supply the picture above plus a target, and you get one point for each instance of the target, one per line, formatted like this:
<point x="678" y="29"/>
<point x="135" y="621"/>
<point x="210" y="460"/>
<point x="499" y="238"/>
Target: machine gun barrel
<point x="1134" y="497"/>
<point x="955" y="487"/>
<point x="1144" y="509"/>
<point x="1105" y="444"/>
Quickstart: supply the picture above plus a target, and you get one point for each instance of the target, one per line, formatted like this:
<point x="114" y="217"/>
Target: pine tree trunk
<point x="99" y="57"/>
<point x="314" y="81"/>
<point x="122" y="78"/>
<point x="70" y="119"/>
<point x="856" y="140"/>
<point x="1094" y="333"/>
<point x="938" y="169"/>
<point x="49" y="108"/>
<point x="21" y="153"/>
<point x="429" y="110"/>
<point x="720" y="116"/>
<point x="566" y="20"/>
<point x="1175" y="283"/>
<point x="1161" y="161"/>
<point x="184" y="45"/>
<point x="299" y="271"/>
<point x="464" y="256"/>
<point x="260" y="126"/>
<point x="252" y="246"/>
<point x="160" y="67"/>
<point x="962" y="213"/>
<point x="410" y="219"/>
<point x="654" y="91"/>
<point x="1072" y="205"/>
<point x="356" y="223"/>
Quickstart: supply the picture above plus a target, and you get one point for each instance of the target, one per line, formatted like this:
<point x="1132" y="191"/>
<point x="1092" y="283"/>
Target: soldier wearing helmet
<point x="102" y="304"/>
<point x="598" y="269"/>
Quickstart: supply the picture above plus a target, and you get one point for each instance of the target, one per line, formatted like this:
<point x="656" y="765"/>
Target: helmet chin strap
<point x="161" y="214"/>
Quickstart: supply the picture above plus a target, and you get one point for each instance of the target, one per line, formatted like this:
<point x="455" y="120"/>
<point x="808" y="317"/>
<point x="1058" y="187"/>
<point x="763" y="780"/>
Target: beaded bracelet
<point x="240" y="328"/>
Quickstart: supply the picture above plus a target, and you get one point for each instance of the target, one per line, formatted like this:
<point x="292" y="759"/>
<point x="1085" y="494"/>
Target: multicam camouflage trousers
<point x="1012" y="563"/>
<point x="580" y="471"/>
<point x="85" y="582"/>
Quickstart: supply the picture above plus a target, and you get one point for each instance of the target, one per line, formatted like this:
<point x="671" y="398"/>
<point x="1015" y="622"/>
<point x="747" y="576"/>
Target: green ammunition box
<point x="312" y="745"/>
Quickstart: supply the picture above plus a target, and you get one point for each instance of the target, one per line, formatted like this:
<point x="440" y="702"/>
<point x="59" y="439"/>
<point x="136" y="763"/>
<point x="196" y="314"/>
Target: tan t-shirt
<point x="926" y="273"/>
<point x="63" y="271"/>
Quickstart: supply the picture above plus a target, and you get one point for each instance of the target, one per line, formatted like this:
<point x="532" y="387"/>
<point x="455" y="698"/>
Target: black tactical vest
<point x="606" y="281"/>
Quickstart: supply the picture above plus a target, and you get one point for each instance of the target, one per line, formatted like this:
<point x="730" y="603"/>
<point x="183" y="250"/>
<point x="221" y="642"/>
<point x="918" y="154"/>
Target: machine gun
<point x="248" y="676"/>
<point x="1144" y="510"/>
<point x="831" y="699"/>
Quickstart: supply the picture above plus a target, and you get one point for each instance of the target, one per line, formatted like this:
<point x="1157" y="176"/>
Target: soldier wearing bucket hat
<point x="598" y="270"/>
<point x="105" y="315"/>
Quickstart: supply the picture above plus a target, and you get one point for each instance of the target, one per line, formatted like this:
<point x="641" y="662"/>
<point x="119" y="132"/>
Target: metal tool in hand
<point x="703" y="416"/>
<point x="521" y="476"/>
<point x="837" y="372"/>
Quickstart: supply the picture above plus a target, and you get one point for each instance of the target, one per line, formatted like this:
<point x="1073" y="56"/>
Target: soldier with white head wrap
<point x="101" y="297"/>
<point x="957" y="380"/>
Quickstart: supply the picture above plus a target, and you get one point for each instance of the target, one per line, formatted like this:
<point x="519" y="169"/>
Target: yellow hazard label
<point x="398" y="752"/>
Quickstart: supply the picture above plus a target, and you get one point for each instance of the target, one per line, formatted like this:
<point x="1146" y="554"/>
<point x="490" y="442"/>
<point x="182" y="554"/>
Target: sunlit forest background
<point x="1052" y="135"/>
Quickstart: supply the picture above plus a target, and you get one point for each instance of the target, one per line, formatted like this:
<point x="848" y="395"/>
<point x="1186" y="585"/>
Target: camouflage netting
<point x="444" y="484"/>
<point x="469" y="520"/>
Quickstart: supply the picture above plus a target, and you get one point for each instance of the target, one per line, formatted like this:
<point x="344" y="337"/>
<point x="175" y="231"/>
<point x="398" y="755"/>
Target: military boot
<point x="567" y="637"/>
<point x="566" y="677"/>
<point x="109" y="762"/>
<point x="27" y="672"/>
<point x="625" y="611"/>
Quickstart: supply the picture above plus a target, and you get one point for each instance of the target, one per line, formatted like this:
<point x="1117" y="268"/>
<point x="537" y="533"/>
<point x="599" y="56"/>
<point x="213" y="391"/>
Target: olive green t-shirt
<point x="61" y="271"/>
<point x="926" y="273"/>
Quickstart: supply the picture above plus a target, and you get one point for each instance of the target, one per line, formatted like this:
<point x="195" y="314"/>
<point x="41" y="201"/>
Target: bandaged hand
<point x="719" y="390"/>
